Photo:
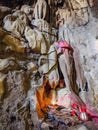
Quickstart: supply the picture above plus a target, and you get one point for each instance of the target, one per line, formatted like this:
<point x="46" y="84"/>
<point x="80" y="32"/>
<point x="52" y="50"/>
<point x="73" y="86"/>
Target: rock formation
<point x="15" y="23"/>
<point x="41" y="10"/>
<point x="35" y="69"/>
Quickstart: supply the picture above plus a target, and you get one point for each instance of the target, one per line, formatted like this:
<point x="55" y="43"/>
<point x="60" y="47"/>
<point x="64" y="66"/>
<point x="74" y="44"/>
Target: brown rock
<point x="78" y="4"/>
<point x="2" y="88"/>
<point x="16" y="44"/>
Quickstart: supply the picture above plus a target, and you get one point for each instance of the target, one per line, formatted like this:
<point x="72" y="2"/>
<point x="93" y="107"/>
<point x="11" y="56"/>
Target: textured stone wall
<point x="80" y="30"/>
<point x="27" y="54"/>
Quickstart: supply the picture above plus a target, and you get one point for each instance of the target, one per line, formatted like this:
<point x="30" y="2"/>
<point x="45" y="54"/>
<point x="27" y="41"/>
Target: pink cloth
<point x="63" y="44"/>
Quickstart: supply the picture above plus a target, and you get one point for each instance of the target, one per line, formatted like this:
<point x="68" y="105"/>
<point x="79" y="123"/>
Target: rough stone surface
<point x="2" y="88"/>
<point x="28" y="10"/>
<point x="15" y="23"/>
<point x="49" y="33"/>
<point x="36" y="40"/>
<point x="14" y="43"/>
<point x="30" y="76"/>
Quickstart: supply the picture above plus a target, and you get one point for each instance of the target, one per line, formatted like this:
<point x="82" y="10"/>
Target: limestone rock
<point x="15" y="23"/>
<point x="40" y="10"/>
<point x="50" y="59"/>
<point x="83" y="95"/>
<point x="80" y="78"/>
<point x="53" y="67"/>
<point x="50" y="67"/>
<point x="15" y="94"/>
<point x="2" y="87"/>
<point x="28" y="10"/>
<point x="64" y="17"/>
<point x="83" y="40"/>
<point x="94" y="9"/>
<point x="48" y="32"/>
<point x="52" y="56"/>
<point x="36" y="40"/>
<point x="43" y="64"/>
<point x="63" y="98"/>
<point x="78" y="4"/>
<point x="31" y="96"/>
<point x="38" y="68"/>
<point x="91" y="3"/>
<point x="83" y="128"/>
<point x="16" y="44"/>
<point x="4" y="63"/>
<point x="79" y="16"/>
<point x="82" y="16"/>
<point x="31" y="66"/>
<point x="54" y="78"/>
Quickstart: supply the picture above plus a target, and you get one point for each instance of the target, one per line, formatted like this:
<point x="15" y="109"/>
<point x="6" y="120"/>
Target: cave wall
<point x="79" y="28"/>
<point x="22" y="63"/>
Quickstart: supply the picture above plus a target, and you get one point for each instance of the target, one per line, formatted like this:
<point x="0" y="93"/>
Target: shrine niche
<point x="48" y="65"/>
